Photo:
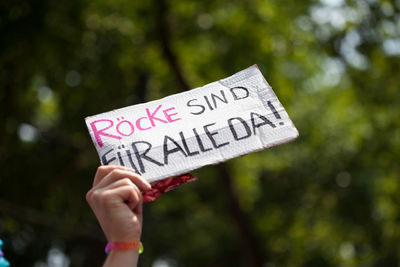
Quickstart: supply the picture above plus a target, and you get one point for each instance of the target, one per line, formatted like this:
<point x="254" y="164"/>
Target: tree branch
<point x="249" y="244"/>
<point x="164" y="33"/>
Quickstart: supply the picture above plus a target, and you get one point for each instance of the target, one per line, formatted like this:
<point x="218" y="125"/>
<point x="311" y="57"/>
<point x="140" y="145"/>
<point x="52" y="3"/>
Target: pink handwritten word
<point x="124" y="128"/>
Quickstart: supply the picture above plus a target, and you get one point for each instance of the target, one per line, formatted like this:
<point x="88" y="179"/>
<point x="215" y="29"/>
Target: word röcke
<point x="121" y="127"/>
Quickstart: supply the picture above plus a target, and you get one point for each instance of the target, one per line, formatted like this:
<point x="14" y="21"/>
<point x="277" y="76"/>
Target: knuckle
<point x="105" y="197"/>
<point x="89" y="196"/>
<point x="126" y="181"/>
<point x="117" y="172"/>
<point x="140" y="196"/>
<point x="93" y="196"/>
<point x="101" y="170"/>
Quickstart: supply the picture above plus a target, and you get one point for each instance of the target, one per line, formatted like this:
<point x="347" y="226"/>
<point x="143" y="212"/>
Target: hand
<point x="116" y="200"/>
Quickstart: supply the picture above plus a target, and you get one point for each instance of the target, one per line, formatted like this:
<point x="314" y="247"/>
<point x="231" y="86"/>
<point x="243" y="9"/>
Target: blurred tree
<point x="328" y="199"/>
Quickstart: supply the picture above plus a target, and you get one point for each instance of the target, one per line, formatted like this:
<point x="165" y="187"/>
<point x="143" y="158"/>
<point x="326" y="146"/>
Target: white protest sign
<point x="182" y="132"/>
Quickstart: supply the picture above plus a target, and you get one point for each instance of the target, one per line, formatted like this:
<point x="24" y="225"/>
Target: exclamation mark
<point x="276" y="114"/>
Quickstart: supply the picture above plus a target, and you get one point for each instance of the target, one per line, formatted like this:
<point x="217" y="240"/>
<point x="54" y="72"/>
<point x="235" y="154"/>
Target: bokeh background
<point x="330" y="198"/>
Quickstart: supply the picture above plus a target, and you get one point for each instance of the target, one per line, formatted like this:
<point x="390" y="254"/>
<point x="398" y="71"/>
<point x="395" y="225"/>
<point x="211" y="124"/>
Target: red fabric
<point x="159" y="187"/>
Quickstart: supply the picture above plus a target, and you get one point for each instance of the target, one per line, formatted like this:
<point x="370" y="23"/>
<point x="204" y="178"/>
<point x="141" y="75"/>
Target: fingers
<point x="107" y="175"/>
<point x="129" y="193"/>
<point x="102" y="171"/>
<point x="122" y="191"/>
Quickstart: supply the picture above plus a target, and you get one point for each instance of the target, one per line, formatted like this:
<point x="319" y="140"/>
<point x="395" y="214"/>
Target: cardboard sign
<point x="182" y="132"/>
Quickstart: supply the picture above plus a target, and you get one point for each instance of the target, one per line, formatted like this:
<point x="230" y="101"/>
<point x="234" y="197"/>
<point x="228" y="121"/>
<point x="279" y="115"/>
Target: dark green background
<point x="330" y="198"/>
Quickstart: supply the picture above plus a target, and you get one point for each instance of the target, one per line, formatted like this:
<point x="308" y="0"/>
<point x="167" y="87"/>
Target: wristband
<point x="130" y="245"/>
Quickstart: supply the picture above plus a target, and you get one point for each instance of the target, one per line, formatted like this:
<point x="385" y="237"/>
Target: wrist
<point x="123" y="236"/>
<point x="122" y="258"/>
<point x="124" y="246"/>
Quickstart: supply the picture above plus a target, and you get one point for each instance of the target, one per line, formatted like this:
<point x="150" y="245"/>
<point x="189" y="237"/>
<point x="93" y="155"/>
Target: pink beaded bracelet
<point x="129" y="245"/>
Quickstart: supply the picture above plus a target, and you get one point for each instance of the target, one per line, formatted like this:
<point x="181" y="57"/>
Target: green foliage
<point x="327" y="199"/>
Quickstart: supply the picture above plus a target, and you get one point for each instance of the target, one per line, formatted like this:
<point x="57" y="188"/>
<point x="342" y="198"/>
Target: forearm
<point x="118" y="258"/>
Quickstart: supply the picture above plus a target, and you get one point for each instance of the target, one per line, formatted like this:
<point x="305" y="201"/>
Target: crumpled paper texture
<point x="159" y="187"/>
